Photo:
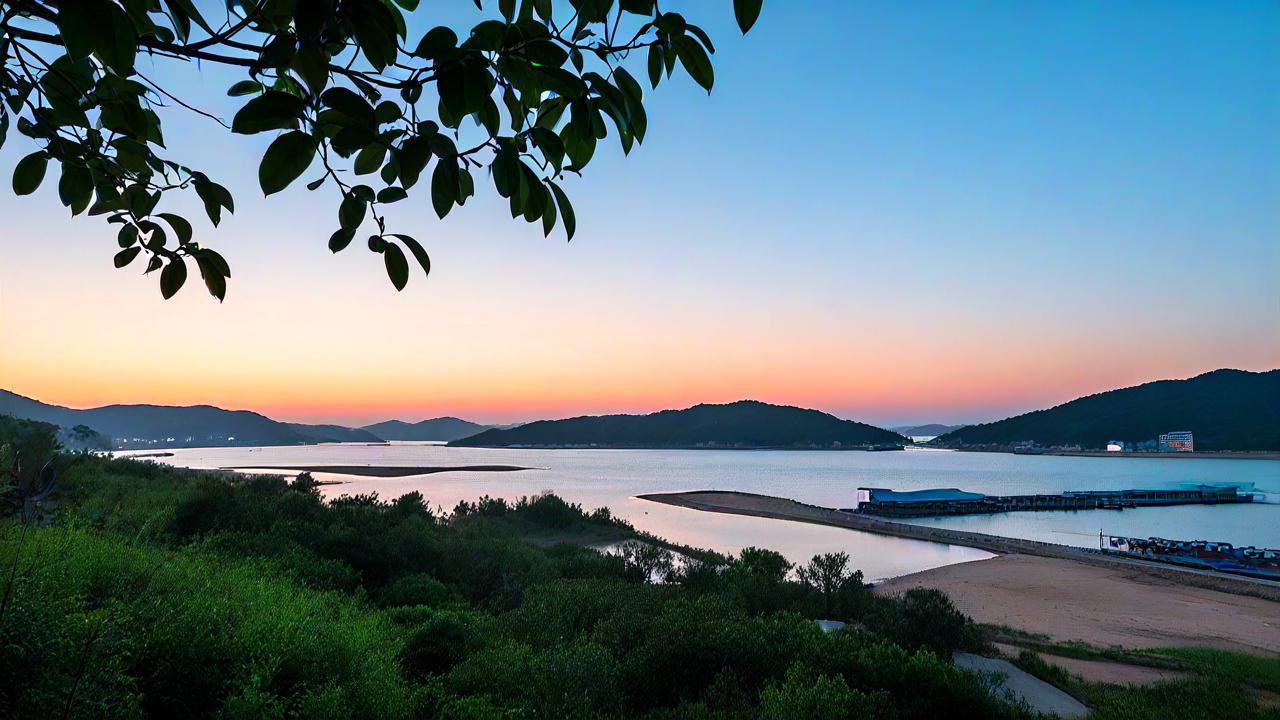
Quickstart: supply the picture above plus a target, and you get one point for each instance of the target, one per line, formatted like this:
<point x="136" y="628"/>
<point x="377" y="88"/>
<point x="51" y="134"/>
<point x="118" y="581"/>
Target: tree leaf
<point x="244" y="87"/>
<point x="340" y="239"/>
<point x="126" y="256"/>
<point x="548" y="219"/>
<point x="392" y="194"/>
<point x="29" y="173"/>
<point x="444" y="186"/>
<point x="655" y="65"/>
<point x="370" y="159"/>
<point x="351" y="212"/>
<point x="419" y="253"/>
<point x="272" y="110"/>
<point x="566" y="211"/>
<point x="285" y="160"/>
<point x="180" y="226"/>
<point x="215" y="280"/>
<point x="695" y="61"/>
<point x="75" y="189"/>
<point x="438" y="42"/>
<point x="349" y="103"/>
<point x="77" y="28"/>
<point x="746" y="12"/>
<point x="116" y="44"/>
<point x="397" y="265"/>
<point x="172" y="277"/>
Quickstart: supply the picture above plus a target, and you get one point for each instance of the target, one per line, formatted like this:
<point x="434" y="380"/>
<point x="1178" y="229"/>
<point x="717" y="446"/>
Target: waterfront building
<point x="1115" y="446"/>
<point x="1177" y="441"/>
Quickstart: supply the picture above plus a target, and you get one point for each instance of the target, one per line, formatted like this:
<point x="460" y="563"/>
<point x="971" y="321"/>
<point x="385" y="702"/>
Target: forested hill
<point x="173" y="426"/>
<point x="442" y="428"/>
<point x="743" y="424"/>
<point x="1226" y="409"/>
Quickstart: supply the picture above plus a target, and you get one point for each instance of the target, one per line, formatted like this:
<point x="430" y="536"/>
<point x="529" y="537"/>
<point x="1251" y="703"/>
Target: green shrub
<point x="416" y="589"/>
<point x="182" y="635"/>
<point x="803" y="696"/>
<point x="435" y="647"/>
<point x="923" y="618"/>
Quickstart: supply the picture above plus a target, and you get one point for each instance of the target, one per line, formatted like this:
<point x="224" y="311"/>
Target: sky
<point x="894" y="212"/>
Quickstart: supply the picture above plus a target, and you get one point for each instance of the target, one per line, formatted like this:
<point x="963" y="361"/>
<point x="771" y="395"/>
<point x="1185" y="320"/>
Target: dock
<point x="883" y="502"/>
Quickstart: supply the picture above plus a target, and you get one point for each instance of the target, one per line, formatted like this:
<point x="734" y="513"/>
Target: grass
<point x="1222" y="684"/>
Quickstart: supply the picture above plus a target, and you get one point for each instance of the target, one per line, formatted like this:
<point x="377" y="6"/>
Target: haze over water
<point x="612" y="478"/>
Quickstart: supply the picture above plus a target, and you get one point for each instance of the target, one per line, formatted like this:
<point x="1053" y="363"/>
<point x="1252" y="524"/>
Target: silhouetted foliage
<point x="339" y="84"/>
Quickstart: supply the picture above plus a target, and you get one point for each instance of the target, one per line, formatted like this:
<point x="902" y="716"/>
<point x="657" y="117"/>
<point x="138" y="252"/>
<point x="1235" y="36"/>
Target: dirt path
<point x="1101" y="606"/>
<point x="1021" y="685"/>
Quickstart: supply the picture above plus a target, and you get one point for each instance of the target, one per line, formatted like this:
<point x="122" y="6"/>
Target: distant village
<point x="1176" y="441"/>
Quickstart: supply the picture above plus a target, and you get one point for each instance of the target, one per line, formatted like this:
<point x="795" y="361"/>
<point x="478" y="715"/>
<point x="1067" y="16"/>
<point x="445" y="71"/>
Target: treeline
<point x="1225" y="409"/>
<point x="133" y="589"/>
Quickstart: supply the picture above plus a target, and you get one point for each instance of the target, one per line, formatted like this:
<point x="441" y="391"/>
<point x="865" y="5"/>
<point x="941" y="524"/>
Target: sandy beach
<point x="1067" y="593"/>
<point x="1101" y="606"/>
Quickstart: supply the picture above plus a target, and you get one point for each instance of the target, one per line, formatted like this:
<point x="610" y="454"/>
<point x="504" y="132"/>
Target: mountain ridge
<point x="742" y="424"/>
<point x="441" y="428"/>
<point x="1225" y="409"/>
<point x="150" y="425"/>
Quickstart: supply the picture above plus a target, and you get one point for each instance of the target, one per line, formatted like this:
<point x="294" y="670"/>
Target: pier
<point x="937" y="503"/>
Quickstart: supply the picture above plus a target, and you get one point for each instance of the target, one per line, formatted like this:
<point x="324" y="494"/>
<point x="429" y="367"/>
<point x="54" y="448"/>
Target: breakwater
<point x="765" y="506"/>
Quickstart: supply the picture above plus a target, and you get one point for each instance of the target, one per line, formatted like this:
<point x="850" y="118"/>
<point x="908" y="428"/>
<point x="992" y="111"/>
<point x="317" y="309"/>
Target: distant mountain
<point x="442" y="429"/>
<point x="333" y="433"/>
<point x="1225" y="409"/>
<point x="932" y="429"/>
<point x="133" y="426"/>
<point x="743" y="424"/>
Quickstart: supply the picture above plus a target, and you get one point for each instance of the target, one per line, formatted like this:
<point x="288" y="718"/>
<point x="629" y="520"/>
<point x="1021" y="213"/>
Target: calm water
<point x="611" y="478"/>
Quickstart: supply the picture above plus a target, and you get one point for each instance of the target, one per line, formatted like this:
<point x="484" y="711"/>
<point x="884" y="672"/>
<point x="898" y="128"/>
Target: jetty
<point x="883" y="502"/>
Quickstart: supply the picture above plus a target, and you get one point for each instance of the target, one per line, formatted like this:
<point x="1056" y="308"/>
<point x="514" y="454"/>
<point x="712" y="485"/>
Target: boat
<point x="1220" y="556"/>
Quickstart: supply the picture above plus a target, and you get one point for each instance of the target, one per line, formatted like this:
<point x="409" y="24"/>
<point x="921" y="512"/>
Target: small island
<point x="742" y="425"/>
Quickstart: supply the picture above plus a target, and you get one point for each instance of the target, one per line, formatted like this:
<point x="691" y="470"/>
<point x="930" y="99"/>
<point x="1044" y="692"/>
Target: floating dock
<point x="933" y="503"/>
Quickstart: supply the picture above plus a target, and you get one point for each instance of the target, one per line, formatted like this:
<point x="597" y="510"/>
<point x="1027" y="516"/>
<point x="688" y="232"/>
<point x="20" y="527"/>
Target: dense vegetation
<point x="743" y="424"/>
<point x="1226" y="409"/>
<point x="147" y="590"/>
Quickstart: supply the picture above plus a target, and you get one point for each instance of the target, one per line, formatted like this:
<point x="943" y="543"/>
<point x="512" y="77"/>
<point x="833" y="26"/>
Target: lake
<point x="612" y="478"/>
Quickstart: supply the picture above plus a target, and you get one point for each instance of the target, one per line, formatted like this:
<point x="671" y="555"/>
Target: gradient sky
<point x="896" y="212"/>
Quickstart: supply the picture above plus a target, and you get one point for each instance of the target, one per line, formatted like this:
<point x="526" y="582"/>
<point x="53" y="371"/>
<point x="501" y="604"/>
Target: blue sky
<point x="893" y="211"/>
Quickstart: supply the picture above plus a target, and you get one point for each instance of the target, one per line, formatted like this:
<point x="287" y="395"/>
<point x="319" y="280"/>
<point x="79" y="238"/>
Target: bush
<point x="181" y="635"/>
<point x="417" y="589"/>
<point x="923" y="618"/>
<point x="435" y="647"/>
<point x="802" y="696"/>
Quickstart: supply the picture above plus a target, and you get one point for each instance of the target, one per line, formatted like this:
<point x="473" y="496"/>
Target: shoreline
<point x="739" y="503"/>
<point x="1211" y="455"/>
<point x="379" y="471"/>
